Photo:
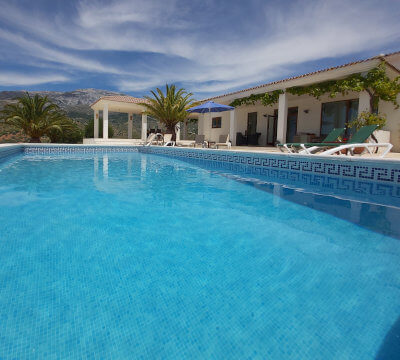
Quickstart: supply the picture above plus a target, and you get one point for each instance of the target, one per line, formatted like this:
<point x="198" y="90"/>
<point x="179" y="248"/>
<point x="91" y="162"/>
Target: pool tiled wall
<point x="387" y="171"/>
<point x="355" y="168"/>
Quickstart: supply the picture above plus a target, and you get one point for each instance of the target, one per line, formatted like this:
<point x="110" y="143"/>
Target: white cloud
<point x="17" y="79"/>
<point x="217" y="53"/>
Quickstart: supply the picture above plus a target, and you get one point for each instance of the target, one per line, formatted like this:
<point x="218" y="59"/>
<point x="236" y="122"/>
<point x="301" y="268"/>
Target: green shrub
<point x="89" y="129"/>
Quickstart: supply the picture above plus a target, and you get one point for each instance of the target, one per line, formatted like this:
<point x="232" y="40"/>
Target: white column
<point x="178" y="132"/>
<point x="282" y="118"/>
<point x="363" y="102"/>
<point x="232" y="127"/>
<point x="144" y="126"/>
<point x="105" y="121"/>
<point x="200" y="125"/>
<point x="96" y="124"/>
<point x="130" y="125"/>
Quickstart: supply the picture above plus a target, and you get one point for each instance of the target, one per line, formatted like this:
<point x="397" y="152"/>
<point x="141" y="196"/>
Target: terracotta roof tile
<point x="121" y="98"/>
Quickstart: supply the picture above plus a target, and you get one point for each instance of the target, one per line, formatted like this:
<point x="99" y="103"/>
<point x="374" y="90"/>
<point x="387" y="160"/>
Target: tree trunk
<point x="185" y="129"/>
<point x="171" y="130"/>
<point x="35" y="140"/>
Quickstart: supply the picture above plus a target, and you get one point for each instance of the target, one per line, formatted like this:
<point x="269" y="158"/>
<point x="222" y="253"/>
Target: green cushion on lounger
<point x="331" y="137"/>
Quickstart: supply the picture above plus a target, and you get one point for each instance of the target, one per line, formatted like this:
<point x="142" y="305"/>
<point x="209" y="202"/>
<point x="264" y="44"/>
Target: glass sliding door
<point x="338" y="114"/>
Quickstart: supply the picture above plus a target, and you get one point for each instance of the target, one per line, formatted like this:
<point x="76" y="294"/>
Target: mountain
<point x="63" y="99"/>
<point x="77" y="106"/>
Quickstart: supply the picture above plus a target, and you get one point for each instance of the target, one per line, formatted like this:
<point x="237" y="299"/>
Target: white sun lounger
<point x="168" y="140"/>
<point x="350" y="149"/>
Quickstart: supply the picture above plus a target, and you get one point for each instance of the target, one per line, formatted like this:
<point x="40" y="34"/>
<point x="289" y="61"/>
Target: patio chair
<point x="199" y="140"/>
<point x="167" y="140"/>
<point x="150" y="139"/>
<point x="185" y="143"/>
<point x="223" y="141"/>
<point x="357" y="141"/>
<point x="296" y="147"/>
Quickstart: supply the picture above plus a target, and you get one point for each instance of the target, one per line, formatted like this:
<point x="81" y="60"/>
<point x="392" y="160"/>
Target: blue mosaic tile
<point x="386" y="171"/>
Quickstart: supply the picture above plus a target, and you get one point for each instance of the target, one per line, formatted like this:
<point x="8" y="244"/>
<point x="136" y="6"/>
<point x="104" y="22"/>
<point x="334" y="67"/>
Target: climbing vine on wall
<point x="376" y="83"/>
<point x="266" y="99"/>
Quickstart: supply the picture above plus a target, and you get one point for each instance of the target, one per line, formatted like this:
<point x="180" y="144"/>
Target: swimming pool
<point x="135" y="255"/>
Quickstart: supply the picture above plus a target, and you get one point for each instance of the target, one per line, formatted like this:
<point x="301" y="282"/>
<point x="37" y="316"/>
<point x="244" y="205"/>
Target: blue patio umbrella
<point x="209" y="107"/>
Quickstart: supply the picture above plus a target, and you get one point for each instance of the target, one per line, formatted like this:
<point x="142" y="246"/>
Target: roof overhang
<point x="334" y="73"/>
<point x="124" y="104"/>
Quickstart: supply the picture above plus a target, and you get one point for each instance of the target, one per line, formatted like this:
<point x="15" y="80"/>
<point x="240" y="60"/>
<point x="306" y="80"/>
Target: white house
<point x="299" y="117"/>
<point x="293" y="117"/>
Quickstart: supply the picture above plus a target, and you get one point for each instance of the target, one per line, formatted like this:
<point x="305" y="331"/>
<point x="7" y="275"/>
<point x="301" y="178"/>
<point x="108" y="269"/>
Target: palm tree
<point x="35" y="116"/>
<point x="169" y="108"/>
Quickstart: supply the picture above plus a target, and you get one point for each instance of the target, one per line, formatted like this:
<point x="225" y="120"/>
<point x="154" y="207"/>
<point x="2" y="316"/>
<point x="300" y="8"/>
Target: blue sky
<point x="209" y="47"/>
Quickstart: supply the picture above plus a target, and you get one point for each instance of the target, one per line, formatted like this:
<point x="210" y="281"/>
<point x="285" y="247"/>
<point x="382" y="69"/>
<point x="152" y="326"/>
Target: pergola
<point x="123" y="104"/>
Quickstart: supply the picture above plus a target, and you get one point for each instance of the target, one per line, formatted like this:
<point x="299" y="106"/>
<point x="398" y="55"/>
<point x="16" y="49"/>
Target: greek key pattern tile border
<point x="383" y="172"/>
<point x="45" y="150"/>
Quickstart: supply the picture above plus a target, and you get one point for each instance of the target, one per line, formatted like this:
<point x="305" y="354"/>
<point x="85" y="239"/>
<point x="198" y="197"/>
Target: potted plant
<point x="368" y="118"/>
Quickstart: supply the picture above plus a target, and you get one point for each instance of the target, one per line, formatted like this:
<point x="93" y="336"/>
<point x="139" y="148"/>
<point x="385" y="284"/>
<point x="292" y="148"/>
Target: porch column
<point x="282" y="118"/>
<point x="363" y="102"/>
<point x="130" y="125"/>
<point x="105" y="121"/>
<point x="200" y="125"/>
<point x="144" y="126"/>
<point x="185" y="129"/>
<point x="178" y="132"/>
<point x="232" y="127"/>
<point x="96" y="124"/>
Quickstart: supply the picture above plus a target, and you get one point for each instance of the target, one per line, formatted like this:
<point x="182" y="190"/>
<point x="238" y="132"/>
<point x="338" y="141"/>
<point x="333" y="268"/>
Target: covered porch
<point x="130" y="106"/>
<point x="292" y="119"/>
<point x="121" y="104"/>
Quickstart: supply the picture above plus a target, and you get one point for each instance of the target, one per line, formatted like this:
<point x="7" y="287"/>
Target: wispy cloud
<point x="17" y="79"/>
<point x="206" y="46"/>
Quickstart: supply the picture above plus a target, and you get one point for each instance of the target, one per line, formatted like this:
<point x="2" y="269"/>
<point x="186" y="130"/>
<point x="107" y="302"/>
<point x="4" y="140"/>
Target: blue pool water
<point x="137" y="256"/>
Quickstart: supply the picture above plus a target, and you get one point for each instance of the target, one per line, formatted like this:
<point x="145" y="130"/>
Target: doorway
<point x="252" y="135"/>
<point x="272" y="121"/>
<point x="291" y="129"/>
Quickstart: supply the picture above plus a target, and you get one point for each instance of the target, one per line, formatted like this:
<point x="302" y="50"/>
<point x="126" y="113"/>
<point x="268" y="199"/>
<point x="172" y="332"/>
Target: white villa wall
<point x="307" y="122"/>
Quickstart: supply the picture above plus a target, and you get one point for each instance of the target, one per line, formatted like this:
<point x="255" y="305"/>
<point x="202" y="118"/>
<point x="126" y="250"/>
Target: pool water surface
<point x="131" y="255"/>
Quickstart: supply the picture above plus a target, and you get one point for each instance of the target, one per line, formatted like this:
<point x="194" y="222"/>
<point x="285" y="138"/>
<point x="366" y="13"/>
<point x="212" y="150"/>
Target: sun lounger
<point x="296" y="147"/>
<point x="357" y="141"/>
<point x="167" y="140"/>
<point x="150" y="139"/>
<point x="185" y="143"/>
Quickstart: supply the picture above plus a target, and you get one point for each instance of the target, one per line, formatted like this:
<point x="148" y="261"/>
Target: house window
<point x="338" y="114"/>
<point x="216" y="122"/>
